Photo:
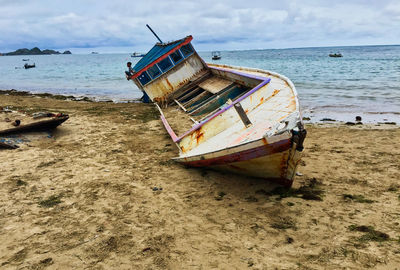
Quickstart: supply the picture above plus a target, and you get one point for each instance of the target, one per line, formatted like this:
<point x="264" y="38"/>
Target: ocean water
<point x="365" y="81"/>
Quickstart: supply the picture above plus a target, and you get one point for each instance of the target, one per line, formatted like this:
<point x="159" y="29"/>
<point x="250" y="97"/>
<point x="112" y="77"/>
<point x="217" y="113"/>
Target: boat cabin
<point x="167" y="67"/>
<point x="173" y="73"/>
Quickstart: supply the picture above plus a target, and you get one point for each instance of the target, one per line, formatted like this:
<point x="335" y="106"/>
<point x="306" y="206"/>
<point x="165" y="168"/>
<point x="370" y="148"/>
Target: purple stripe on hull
<point x="243" y="155"/>
<point x="168" y="128"/>
<point x="240" y="73"/>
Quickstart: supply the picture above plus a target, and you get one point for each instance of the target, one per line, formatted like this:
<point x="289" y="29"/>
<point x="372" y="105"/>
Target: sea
<point x="364" y="82"/>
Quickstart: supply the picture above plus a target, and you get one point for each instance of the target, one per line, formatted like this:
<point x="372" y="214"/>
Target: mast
<point x="148" y="26"/>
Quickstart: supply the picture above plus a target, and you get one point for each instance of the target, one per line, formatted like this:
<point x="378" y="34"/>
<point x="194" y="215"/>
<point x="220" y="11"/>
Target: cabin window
<point x="187" y="50"/>
<point x="154" y="71"/>
<point x="144" y="78"/>
<point x="165" y="64"/>
<point x="176" y="56"/>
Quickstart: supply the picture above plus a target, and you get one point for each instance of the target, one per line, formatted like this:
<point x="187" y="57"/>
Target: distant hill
<point x="35" y="51"/>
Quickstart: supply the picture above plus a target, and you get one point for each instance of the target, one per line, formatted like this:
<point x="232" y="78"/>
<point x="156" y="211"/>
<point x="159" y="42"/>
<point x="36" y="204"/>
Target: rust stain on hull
<point x="199" y="135"/>
<point x="169" y="84"/>
<point x="264" y="141"/>
<point x="183" y="148"/>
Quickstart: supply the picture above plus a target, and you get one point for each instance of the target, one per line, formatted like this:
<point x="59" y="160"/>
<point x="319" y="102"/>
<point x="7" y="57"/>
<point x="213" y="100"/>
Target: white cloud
<point x="214" y="24"/>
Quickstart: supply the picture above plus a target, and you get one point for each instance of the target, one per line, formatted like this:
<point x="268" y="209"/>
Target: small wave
<point x="395" y="113"/>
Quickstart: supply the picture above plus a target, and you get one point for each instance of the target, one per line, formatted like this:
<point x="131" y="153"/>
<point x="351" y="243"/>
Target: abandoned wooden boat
<point x="239" y="119"/>
<point x="42" y="125"/>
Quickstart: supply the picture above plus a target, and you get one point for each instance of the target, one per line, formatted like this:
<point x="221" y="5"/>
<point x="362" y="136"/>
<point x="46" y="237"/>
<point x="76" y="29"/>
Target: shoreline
<point x="15" y="92"/>
<point x="308" y="117"/>
<point x="103" y="193"/>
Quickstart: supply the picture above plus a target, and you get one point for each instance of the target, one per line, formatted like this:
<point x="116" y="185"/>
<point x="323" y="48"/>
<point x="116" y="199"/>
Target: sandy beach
<point x="102" y="193"/>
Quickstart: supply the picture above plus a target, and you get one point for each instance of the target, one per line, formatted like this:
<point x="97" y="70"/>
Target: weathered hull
<point x="230" y="118"/>
<point x="262" y="138"/>
<point x="275" y="161"/>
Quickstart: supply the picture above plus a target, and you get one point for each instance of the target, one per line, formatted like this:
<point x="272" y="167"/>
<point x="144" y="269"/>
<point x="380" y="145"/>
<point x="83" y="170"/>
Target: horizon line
<point x="227" y="50"/>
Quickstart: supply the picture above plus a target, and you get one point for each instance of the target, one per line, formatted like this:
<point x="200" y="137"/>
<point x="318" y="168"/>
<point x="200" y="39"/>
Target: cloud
<point x="221" y="25"/>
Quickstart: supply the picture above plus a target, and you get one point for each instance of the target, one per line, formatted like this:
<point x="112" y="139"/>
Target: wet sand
<point x="102" y="193"/>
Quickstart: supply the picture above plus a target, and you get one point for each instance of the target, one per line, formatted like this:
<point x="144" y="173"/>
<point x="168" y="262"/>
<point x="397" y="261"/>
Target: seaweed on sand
<point x="51" y="201"/>
<point x="311" y="191"/>
<point x="370" y="234"/>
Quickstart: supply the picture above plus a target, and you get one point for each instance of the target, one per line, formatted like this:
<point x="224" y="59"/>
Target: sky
<point x="120" y="26"/>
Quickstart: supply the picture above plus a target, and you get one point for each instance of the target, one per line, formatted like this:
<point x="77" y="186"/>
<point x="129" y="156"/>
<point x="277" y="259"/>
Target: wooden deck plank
<point x="215" y="84"/>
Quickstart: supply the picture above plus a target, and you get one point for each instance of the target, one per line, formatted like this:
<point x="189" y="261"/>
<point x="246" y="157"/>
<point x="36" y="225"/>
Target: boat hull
<point x="37" y="126"/>
<point x="275" y="161"/>
<point x="265" y="140"/>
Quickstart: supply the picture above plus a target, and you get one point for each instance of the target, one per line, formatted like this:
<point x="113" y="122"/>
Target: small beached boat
<point x="244" y="120"/>
<point x="42" y="125"/>
<point x="216" y="55"/>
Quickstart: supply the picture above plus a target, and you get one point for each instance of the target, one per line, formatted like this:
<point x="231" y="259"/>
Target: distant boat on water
<point x="335" y="55"/>
<point x="27" y="66"/>
<point x="25" y="59"/>
<point x="216" y="55"/>
<point x="136" y="54"/>
<point x="95" y="53"/>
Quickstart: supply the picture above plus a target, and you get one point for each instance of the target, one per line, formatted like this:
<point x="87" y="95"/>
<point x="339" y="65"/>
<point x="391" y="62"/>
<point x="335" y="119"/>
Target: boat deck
<point x="265" y="109"/>
<point x="200" y="101"/>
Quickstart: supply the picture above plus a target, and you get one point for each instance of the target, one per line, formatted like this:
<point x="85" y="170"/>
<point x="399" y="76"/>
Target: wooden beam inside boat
<point x="180" y="105"/>
<point x="214" y="100"/>
<point x="189" y="94"/>
<point x="193" y="82"/>
<point x="239" y="109"/>
<point x="192" y="101"/>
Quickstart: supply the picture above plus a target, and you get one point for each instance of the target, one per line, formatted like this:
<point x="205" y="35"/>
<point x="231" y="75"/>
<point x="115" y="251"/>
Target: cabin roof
<point x="158" y="51"/>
